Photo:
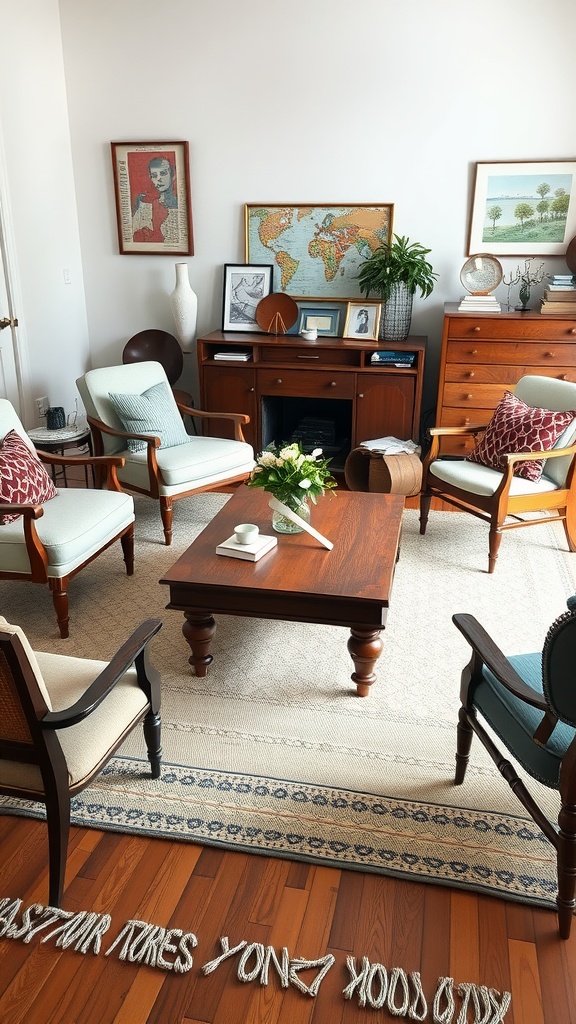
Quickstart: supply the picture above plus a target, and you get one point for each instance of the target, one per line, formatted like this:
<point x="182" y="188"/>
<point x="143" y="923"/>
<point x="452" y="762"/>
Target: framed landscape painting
<point x="152" y="191"/>
<point x="523" y="209"/>
<point x="316" y="249"/>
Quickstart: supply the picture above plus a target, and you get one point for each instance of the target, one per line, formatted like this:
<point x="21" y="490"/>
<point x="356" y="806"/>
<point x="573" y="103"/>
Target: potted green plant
<point x="394" y="272"/>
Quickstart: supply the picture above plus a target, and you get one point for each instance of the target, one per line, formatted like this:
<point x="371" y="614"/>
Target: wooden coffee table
<point x="298" y="581"/>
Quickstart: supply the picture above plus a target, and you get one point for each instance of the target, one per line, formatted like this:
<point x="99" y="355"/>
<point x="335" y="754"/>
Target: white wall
<point x="313" y="100"/>
<point x="41" y="201"/>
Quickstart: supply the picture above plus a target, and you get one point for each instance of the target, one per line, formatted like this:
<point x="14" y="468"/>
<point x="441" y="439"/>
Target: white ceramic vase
<point x="184" y="305"/>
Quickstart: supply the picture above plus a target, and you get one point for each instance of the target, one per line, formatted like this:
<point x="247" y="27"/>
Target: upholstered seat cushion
<point x="86" y="744"/>
<point x="153" y="412"/>
<point x="517" y="427"/>
<point x="516" y="722"/>
<point x="76" y="524"/>
<point x="477" y="479"/>
<point x="208" y="459"/>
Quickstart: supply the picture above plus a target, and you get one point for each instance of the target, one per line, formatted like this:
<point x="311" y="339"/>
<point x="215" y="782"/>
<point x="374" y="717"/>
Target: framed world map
<point x="317" y="250"/>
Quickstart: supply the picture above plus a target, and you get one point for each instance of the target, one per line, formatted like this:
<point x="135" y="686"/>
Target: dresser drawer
<point x="538" y="328"/>
<point x="472" y="396"/>
<point x="508" y="376"/>
<point x="533" y="354"/>
<point x="309" y="355"/>
<point x="464" y="417"/>
<point x="300" y="384"/>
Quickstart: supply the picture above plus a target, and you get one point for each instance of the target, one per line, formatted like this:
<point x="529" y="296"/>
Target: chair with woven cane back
<point x="63" y="719"/>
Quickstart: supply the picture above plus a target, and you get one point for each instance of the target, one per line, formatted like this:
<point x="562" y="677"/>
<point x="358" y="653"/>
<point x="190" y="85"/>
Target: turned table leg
<point x="365" y="647"/>
<point x="198" y="629"/>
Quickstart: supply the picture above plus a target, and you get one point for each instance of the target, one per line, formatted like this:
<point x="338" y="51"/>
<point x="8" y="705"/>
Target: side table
<point x="59" y="441"/>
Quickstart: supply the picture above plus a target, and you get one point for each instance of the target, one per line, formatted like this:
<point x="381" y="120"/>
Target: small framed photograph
<point x="362" y="320"/>
<point x="523" y="209"/>
<point x="325" y="319"/>
<point x="245" y="285"/>
<point x="153" y="204"/>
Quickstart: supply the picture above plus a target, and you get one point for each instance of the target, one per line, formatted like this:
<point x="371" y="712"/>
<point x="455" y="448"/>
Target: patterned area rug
<point x="273" y="752"/>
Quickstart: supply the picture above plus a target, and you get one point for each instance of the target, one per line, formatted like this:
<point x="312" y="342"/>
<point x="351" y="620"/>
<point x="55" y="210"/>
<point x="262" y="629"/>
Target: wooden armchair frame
<point x="563" y="839"/>
<point x="154" y="472"/>
<point x="105" y="468"/>
<point x="42" y="748"/>
<point x="559" y="504"/>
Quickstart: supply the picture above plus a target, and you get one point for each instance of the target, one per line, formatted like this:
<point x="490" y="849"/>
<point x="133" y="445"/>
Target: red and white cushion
<point x="517" y="427"/>
<point x="23" y="479"/>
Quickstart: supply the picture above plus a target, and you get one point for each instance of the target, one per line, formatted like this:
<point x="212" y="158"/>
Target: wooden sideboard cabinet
<point x="286" y="381"/>
<point x="485" y="354"/>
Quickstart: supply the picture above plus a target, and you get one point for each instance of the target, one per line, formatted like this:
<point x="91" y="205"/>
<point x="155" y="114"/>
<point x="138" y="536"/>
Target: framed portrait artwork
<point x="153" y="203"/>
<point x="317" y="248"/>
<point x="362" y="320"/>
<point x="523" y="209"/>
<point x="325" y="319"/>
<point x="245" y="285"/>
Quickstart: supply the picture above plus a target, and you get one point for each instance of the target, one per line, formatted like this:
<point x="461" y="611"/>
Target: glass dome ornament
<point x="480" y="275"/>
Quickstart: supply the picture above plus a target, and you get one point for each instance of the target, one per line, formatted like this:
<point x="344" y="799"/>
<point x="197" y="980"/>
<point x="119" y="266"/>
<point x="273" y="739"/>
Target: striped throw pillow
<point x="154" y="412"/>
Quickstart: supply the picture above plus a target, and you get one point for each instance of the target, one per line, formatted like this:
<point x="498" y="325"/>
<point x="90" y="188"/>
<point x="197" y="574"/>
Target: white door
<point x="8" y="335"/>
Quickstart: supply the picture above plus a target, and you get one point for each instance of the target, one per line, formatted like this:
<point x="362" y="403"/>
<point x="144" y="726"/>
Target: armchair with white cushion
<point x="49" y="534"/>
<point x="502" y="496"/>
<point x="133" y="413"/>
<point x="63" y="719"/>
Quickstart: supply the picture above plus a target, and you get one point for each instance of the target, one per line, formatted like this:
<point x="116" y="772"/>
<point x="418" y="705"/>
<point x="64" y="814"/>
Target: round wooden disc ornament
<point x="571" y="256"/>
<point x="276" y="313"/>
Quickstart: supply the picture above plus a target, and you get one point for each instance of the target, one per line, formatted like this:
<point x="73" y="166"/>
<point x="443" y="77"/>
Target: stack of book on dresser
<point x="560" y="295"/>
<point x="479" y="304"/>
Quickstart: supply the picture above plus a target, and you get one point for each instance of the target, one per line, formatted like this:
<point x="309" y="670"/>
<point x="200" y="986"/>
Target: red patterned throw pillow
<point x="517" y="427"/>
<point x="23" y="479"/>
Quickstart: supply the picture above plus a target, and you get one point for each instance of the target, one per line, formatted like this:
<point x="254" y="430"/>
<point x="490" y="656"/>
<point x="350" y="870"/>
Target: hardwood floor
<point x="312" y="911"/>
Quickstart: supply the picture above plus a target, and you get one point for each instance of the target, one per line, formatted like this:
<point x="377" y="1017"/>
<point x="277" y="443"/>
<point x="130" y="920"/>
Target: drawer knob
<point x="466" y="422"/>
<point x="251" y="390"/>
<point x="477" y="330"/>
<point x="360" y="395"/>
<point x="474" y="352"/>
<point x="278" y="380"/>
<point x="470" y="373"/>
<point x="564" y="376"/>
<point x="572" y="330"/>
<point x="332" y="383"/>
<point x="549" y="355"/>
<point x="468" y="397"/>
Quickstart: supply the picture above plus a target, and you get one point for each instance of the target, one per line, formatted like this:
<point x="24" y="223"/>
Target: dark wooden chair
<point x="502" y="499"/>
<point x="529" y="701"/>
<point x="60" y="726"/>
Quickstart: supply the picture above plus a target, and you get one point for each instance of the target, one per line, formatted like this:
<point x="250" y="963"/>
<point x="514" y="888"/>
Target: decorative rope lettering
<point x="169" y="949"/>
<point x="398" y="975"/>
<point x="299" y="964"/>
<point x="419" y="1007"/>
<point x="445" y="989"/>
<point x="376" y="1002"/>
<point x="258" y="949"/>
<point x="226" y="952"/>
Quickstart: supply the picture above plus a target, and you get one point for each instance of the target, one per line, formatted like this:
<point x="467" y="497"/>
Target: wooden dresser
<point x="284" y="379"/>
<point x="485" y="354"/>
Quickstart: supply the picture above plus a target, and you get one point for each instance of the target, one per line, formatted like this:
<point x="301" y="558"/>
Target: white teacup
<point x="246" y="533"/>
<point x="309" y="334"/>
